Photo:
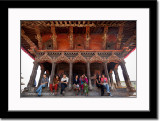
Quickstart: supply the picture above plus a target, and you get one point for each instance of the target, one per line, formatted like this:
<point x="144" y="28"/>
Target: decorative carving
<point x="105" y="36"/>
<point x="71" y="36"/>
<point x="45" y="57"/>
<point x="120" y="36"/>
<point x="87" y="37"/>
<point x="38" y="37"/>
<point x="28" y="40"/>
<point x="62" y="57"/>
<point x="54" y="36"/>
<point x="113" y="58"/>
<point x="80" y="58"/>
<point x="96" y="58"/>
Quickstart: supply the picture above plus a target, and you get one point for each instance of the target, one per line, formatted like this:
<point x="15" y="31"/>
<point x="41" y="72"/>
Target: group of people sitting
<point x="102" y="82"/>
<point x="80" y="84"/>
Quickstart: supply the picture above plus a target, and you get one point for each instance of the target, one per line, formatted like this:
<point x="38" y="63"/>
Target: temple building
<point x="79" y="47"/>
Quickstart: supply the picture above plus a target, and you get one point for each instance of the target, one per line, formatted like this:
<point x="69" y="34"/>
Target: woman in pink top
<point x="104" y="81"/>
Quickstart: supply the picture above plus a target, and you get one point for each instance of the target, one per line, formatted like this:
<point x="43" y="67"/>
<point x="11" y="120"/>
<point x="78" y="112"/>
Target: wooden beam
<point x="28" y="40"/>
<point x="130" y="40"/>
<point x="119" y="37"/>
<point x="87" y="37"/>
<point x="105" y="36"/>
<point x="38" y="37"/>
<point x="71" y="36"/>
<point x="54" y="36"/>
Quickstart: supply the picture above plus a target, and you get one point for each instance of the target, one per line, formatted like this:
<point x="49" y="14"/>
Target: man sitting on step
<point x="44" y="83"/>
<point x="104" y="81"/>
<point x="64" y="82"/>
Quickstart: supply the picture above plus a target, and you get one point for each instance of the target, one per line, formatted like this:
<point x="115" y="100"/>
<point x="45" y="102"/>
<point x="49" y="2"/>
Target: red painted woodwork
<point x="63" y="42"/>
<point x="95" y="42"/>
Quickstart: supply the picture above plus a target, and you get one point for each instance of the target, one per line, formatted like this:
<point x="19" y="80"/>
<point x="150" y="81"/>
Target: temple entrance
<point x="62" y="68"/>
<point x="96" y="69"/>
<point x="79" y="69"/>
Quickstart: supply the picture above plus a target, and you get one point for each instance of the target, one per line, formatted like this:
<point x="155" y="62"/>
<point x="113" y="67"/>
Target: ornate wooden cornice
<point x="113" y="58"/>
<point x="79" y="58"/>
<point x="30" y="25"/>
<point x="96" y="58"/>
<point x="45" y="57"/>
<point x="62" y="57"/>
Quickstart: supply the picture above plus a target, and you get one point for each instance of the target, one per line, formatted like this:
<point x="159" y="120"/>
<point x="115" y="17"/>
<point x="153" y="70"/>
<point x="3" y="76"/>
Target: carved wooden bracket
<point x="96" y="58"/>
<point x="113" y="58"/>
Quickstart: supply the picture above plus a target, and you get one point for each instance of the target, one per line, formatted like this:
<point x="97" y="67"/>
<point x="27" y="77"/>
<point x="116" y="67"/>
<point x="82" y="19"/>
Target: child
<point x="85" y="87"/>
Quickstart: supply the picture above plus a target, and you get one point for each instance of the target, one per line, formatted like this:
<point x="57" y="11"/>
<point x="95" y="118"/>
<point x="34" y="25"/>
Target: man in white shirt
<point x="64" y="82"/>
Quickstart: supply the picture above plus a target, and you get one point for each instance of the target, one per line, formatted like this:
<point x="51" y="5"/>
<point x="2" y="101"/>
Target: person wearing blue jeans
<point x="105" y="84"/>
<point x="44" y="81"/>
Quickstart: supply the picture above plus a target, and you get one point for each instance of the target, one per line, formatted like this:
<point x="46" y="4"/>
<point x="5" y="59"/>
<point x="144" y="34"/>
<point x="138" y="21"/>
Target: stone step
<point x="96" y="92"/>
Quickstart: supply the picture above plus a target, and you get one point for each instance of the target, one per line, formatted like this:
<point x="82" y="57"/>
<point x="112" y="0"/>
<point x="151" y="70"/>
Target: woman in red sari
<point x="55" y="85"/>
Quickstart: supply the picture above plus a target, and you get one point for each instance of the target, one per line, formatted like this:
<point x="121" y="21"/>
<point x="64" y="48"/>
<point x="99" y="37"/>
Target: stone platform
<point x="96" y="92"/>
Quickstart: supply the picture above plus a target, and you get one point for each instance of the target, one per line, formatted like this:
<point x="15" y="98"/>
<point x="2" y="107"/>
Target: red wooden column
<point x="117" y="75"/>
<point x="33" y="74"/>
<point x="126" y="76"/>
<point x="41" y="75"/>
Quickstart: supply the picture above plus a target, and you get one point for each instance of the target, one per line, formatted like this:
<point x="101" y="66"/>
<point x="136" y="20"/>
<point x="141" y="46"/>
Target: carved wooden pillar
<point x="71" y="36"/>
<point x="87" y="37"/>
<point x="54" y="36"/>
<point x="104" y="44"/>
<point x="70" y="75"/>
<point x="33" y="74"/>
<point x="120" y="36"/>
<point x="117" y="75"/>
<point x="89" y="75"/>
<point x="106" y="73"/>
<point x="126" y="77"/>
<point x="41" y="75"/>
<point x="52" y="72"/>
<point x="38" y="37"/>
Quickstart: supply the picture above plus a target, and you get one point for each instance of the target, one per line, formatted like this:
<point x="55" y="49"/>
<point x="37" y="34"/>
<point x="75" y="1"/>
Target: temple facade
<point x="79" y="47"/>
